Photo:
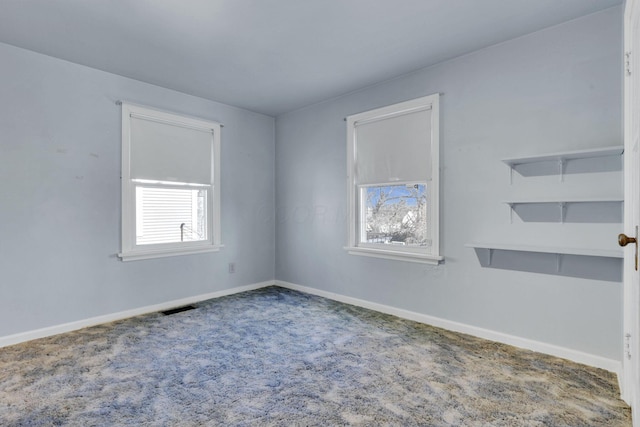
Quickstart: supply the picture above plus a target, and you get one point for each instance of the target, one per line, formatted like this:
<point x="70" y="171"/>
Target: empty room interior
<point x="339" y="212"/>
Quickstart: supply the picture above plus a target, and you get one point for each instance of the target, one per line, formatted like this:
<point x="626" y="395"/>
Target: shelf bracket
<point x="485" y="254"/>
<point x="511" y="206"/>
<point x="511" y="174"/>
<point x="558" y="262"/>
<point x="561" y="166"/>
<point x="563" y="210"/>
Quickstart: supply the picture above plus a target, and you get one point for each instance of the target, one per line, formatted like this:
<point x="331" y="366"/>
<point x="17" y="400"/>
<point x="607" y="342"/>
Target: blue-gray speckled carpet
<point x="276" y="357"/>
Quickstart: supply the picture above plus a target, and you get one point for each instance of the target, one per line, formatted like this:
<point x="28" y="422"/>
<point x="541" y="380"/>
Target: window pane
<point x="395" y="215"/>
<point x="170" y="215"/>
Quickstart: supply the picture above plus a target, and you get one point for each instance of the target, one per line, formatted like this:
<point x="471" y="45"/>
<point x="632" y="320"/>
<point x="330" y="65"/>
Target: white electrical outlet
<point x="232" y="267"/>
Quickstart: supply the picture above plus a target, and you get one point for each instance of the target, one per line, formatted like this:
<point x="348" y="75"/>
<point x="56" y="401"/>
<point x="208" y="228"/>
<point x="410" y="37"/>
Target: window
<point x="393" y="178"/>
<point x="170" y="184"/>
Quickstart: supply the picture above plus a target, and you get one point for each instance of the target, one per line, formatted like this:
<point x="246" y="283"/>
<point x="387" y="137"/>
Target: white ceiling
<point x="272" y="56"/>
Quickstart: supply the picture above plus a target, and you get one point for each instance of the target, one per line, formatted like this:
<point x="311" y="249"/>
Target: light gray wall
<point x="60" y="196"/>
<point x="555" y="90"/>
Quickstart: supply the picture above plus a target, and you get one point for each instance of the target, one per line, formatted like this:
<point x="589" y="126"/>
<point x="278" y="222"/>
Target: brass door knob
<point x="624" y="240"/>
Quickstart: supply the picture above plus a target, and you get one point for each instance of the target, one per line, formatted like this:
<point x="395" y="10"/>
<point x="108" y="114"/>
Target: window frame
<point x="130" y="250"/>
<point x="430" y="255"/>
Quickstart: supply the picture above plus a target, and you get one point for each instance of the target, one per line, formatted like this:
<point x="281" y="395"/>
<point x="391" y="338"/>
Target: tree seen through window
<point x="396" y="214"/>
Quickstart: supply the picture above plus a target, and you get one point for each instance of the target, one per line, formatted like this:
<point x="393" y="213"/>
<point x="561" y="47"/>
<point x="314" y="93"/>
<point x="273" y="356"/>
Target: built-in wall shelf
<point x="561" y="158"/>
<point x="566" y="155"/>
<point x="598" y="264"/>
<point x="568" y="200"/>
<point x="558" y="251"/>
<point x="561" y="204"/>
<point x="588" y="166"/>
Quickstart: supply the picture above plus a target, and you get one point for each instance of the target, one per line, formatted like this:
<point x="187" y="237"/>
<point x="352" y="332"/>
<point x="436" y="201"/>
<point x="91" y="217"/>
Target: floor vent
<point x="178" y="310"/>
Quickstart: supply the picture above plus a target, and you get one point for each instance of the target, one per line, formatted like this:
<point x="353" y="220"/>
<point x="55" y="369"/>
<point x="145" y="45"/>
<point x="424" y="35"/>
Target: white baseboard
<point x="79" y="324"/>
<point x="565" y="353"/>
<point x="611" y="365"/>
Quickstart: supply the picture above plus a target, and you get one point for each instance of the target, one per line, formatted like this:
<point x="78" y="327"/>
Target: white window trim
<point x="130" y="251"/>
<point x="395" y="255"/>
<point x="354" y="247"/>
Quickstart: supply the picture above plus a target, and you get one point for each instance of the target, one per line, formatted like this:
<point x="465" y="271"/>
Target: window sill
<point x="138" y="255"/>
<point x="395" y="255"/>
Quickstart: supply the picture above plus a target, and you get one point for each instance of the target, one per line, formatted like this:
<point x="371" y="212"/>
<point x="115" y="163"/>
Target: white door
<point x="631" y="293"/>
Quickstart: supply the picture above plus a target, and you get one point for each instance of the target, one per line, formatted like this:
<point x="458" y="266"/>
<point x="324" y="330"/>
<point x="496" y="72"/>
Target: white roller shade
<point x="170" y="152"/>
<point x="392" y="149"/>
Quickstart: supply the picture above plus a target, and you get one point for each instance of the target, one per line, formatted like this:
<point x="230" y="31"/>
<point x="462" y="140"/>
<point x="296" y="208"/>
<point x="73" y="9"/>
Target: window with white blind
<point x="170" y="184"/>
<point x="393" y="181"/>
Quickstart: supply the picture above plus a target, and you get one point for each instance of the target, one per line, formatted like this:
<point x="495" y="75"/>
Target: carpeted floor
<point x="275" y="357"/>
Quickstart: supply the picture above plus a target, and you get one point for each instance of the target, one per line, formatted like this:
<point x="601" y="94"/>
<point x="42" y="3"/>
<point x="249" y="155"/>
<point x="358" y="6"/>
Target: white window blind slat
<point x="394" y="149"/>
<point x="161" y="212"/>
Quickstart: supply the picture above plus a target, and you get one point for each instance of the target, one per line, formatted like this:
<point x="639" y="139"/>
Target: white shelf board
<point x="607" y="253"/>
<point x="567" y="155"/>
<point x="576" y="200"/>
